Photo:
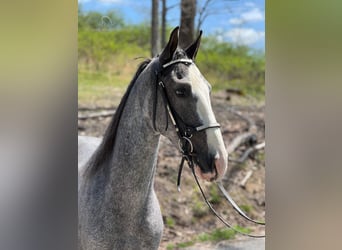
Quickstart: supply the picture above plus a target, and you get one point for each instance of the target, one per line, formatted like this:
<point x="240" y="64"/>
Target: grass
<point x="170" y="222"/>
<point x="246" y="208"/>
<point x="199" y="209"/>
<point x="214" y="236"/>
<point x="98" y="87"/>
<point x="107" y="63"/>
<point x="170" y="246"/>
<point x="185" y="244"/>
<point x="107" y="85"/>
<point x="180" y="245"/>
<point x="215" y="197"/>
<point x="254" y="93"/>
<point x="217" y="235"/>
<point x="221" y="234"/>
<point x="260" y="156"/>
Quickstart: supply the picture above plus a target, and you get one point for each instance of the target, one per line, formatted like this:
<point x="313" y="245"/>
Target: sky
<point x="236" y="21"/>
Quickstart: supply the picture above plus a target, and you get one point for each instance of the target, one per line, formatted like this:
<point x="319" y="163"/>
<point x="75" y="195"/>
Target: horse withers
<point x="118" y="208"/>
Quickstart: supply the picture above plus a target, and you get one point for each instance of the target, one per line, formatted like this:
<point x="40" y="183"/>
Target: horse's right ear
<point x="167" y="53"/>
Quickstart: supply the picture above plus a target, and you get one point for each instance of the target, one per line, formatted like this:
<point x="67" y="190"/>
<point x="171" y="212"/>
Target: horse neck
<point x="133" y="162"/>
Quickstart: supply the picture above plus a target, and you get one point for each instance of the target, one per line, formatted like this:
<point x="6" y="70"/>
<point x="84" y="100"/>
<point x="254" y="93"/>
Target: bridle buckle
<point x="188" y="132"/>
<point x="161" y="84"/>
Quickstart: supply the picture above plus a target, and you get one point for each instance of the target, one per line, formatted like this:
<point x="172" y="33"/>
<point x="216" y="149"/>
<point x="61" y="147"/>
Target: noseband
<point x="185" y="133"/>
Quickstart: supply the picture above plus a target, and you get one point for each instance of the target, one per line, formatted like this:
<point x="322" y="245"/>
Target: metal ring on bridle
<point x="182" y="146"/>
<point x="188" y="133"/>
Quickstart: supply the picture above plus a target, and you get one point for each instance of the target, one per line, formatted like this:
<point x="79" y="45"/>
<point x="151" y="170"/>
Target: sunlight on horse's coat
<point x="201" y="88"/>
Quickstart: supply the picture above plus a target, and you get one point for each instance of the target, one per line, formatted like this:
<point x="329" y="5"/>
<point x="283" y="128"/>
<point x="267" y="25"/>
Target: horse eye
<point x="181" y="92"/>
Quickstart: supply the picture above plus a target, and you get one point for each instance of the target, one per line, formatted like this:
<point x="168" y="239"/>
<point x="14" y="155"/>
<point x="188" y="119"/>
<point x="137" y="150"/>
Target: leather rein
<point x="185" y="145"/>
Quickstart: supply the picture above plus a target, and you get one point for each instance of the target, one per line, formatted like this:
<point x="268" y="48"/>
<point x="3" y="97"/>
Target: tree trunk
<point x="155" y="28"/>
<point x="187" y="26"/>
<point x="163" y="24"/>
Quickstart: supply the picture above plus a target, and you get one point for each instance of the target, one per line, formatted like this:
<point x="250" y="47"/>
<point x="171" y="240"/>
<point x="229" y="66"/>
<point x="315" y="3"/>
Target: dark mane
<point x="106" y="147"/>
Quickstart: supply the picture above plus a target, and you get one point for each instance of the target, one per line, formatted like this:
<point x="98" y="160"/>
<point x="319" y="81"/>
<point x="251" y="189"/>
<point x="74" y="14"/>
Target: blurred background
<point x="115" y="36"/>
<point x="38" y="129"/>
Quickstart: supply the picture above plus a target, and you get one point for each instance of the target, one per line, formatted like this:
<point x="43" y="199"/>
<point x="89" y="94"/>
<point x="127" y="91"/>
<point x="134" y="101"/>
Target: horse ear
<point x="191" y="51"/>
<point x="166" y="55"/>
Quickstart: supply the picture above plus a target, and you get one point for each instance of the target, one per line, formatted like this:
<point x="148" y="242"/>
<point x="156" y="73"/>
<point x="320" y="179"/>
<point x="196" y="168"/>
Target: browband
<point x="186" y="61"/>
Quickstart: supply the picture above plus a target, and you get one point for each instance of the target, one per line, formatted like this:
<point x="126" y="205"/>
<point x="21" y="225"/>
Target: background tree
<point x="164" y="11"/>
<point x="97" y="21"/>
<point x="155" y="28"/>
<point x="187" y="22"/>
<point x="208" y="8"/>
<point x="163" y="23"/>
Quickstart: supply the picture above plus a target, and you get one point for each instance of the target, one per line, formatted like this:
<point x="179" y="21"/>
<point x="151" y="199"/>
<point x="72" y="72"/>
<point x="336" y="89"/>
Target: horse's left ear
<point x="170" y="48"/>
<point x="191" y="51"/>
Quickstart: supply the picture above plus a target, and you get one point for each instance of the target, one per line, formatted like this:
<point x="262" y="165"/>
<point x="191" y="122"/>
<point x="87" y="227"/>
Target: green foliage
<point x="214" y="236"/>
<point x="246" y="208"/>
<point x="243" y="229"/>
<point x="98" y="49"/>
<point x="215" y="197"/>
<point x="185" y="244"/>
<point x="107" y="44"/>
<point x="170" y="246"/>
<point x="199" y="209"/>
<point x="170" y="222"/>
<point x="93" y="20"/>
<point x="221" y="234"/>
<point x="217" y="235"/>
<point x="225" y="64"/>
<point x="180" y="245"/>
<point x="260" y="156"/>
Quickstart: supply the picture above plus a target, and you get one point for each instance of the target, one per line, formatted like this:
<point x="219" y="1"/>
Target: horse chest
<point x="113" y="227"/>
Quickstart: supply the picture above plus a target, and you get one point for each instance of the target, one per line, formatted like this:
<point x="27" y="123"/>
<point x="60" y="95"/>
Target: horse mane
<point x="103" y="152"/>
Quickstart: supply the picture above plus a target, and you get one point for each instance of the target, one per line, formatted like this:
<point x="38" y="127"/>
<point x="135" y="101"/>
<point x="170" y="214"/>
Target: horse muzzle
<point x="217" y="170"/>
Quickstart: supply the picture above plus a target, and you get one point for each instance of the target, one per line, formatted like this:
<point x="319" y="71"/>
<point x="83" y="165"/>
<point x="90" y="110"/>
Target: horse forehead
<point x="198" y="82"/>
<point x="201" y="89"/>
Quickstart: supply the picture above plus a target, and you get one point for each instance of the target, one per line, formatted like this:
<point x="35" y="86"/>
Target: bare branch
<point x="239" y="140"/>
<point x="211" y="7"/>
<point x="251" y="124"/>
<point x="172" y="6"/>
<point x="248" y="138"/>
<point x="96" y="115"/>
<point x="260" y="146"/>
<point x="94" y="108"/>
<point x="248" y="152"/>
<point x="246" y="178"/>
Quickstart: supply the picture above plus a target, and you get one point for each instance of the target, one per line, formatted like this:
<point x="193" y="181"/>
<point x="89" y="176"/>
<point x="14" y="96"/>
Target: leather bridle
<point x="185" y="133"/>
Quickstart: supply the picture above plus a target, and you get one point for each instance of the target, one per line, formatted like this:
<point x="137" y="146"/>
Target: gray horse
<point x="118" y="208"/>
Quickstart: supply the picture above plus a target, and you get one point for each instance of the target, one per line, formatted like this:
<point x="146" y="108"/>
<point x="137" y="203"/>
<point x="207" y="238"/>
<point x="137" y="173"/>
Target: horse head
<point x="186" y="95"/>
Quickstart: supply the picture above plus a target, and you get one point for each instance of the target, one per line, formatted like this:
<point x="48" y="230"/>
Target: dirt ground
<point x="185" y="214"/>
